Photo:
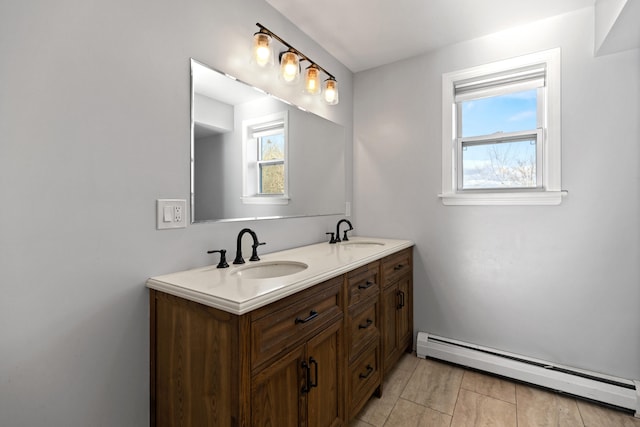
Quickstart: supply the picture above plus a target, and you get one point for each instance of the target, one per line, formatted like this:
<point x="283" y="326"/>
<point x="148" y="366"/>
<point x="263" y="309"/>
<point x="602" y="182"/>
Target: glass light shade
<point x="312" y="80"/>
<point x="289" y="67"/>
<point x="262" y="51"/>
<point x="331" y="91"/>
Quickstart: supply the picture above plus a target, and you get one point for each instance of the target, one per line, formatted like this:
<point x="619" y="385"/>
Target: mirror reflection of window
<point x="265" y="163"/>
<point x="271" y="163"/>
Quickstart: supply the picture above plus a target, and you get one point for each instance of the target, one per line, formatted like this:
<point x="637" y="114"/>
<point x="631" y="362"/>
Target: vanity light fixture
<point x="262" y="54"/>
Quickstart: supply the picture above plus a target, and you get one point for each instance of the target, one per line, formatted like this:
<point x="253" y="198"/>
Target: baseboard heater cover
<point x="614" y="391"/>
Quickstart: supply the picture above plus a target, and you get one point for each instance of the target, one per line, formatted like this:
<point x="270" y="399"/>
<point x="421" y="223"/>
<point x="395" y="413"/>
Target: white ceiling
<point x="363" y="34"/>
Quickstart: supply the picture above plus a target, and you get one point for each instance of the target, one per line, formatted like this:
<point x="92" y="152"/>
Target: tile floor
<point x="428" y="393"/>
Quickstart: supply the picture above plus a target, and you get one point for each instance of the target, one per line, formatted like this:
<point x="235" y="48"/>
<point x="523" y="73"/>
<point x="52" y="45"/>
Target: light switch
<point x="168" y="217"/>
<point x="171" y="213"/>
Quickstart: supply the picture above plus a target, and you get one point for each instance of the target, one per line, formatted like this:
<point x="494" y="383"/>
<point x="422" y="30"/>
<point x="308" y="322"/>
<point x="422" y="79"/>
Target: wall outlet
<point x="171" y="213"/>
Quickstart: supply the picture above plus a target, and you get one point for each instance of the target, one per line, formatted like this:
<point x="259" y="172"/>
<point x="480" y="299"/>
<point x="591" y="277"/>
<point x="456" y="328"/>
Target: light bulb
<point x="289" y="67"/>
<point x="262" y="51"/>
<point x="312" y="80"/>
<point x="331" y="91"/>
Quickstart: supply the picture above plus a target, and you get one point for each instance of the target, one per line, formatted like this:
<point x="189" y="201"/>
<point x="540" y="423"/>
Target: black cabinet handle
<point x="367" y="285"/>
<point x="398" y="267"/>
<point x="369" y="323"/>
<point x="312" y="315"/>
<point x="307" y="374"/>
<point x="313" y="362"/>
<point x="400" y="299"/>
<point x="308" y="385"/>
<point x="368" y="373"/>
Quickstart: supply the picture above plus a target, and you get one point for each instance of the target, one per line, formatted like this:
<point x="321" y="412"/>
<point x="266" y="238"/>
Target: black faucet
<point x="345" y="238"/>
<point x="256" y="243"/>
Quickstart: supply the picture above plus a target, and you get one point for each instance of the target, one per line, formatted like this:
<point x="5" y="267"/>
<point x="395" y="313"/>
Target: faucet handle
<point x="223" y="258"/>
<point x="254" y="253"/>
<point x="333" y="237"/>
<point x="345" y="238"/>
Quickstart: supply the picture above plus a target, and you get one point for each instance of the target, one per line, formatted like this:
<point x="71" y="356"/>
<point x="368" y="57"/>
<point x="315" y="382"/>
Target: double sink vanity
<point x="302" y="337"/>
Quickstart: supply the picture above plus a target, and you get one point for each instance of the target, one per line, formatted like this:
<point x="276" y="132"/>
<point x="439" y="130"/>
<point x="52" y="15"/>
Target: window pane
<point x="499" y="165"/>
<point x="272" y="147"/>
<point x="272" y="179"/>
<point x="505" y="113"/>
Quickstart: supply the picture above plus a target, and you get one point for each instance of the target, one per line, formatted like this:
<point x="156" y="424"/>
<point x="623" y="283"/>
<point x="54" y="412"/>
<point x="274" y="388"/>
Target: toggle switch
<point x="168" y="217"/>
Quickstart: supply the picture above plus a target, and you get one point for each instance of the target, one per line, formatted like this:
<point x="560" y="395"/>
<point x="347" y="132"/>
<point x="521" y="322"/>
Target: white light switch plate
<point x="171" y="213"/>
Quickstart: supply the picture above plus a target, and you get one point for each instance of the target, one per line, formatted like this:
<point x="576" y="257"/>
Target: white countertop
<point x="224" y="289"/>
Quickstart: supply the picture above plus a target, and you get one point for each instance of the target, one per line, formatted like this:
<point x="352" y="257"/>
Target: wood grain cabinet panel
<point x="363" y="283"/>
<point x="396" y="307"/>
<point x="280" y="326"/>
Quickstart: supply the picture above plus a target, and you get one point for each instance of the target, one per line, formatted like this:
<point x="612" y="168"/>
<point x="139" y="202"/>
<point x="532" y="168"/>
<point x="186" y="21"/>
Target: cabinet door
<point x="277" y="398"/>
<point x="405" y="321"/>
<point x="390" y="301"/>
<point x="325" y="360"/>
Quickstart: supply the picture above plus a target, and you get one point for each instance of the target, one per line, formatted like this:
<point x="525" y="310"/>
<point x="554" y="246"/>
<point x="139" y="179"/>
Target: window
<point x="265" y="178"/>
<point x="501" y="132"/>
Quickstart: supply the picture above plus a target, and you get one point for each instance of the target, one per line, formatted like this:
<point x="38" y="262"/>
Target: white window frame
<point x="548" y="136"/>
<point x="252" y="129"/>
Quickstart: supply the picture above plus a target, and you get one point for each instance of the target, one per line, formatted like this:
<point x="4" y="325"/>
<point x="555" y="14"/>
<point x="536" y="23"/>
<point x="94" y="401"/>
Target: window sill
<point x="265" y="200"/>
<point x="503" y="198"/>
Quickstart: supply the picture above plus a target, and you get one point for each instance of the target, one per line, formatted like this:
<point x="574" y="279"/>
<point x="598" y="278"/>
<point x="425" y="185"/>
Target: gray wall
<point x="94" y="127"/>
<point x="559" y="283"/>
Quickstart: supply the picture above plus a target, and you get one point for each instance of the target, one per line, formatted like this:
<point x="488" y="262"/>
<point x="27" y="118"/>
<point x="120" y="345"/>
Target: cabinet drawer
<point x="365" y="377"/>
<point x="396" y="265"/>
<point x="363" y="283"/>
<point x="363" y="326"/>
<point x="280" y="326"/>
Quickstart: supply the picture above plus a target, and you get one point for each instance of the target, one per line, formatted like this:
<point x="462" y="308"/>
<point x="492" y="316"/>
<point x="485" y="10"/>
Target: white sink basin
<point x="361" y="244"/>
<point x="271" y="269"/>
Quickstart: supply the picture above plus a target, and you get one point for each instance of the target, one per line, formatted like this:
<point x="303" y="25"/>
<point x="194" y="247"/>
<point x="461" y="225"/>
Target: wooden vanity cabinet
<point x="279" y="365"/>
<point x="311" y="359"/>
<point x="397" y="307"/>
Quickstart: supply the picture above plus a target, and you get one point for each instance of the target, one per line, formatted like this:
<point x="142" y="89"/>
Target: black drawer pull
<point x="312" y="315"/>
<point x="366" y="285"/>
<point x="368" y="373"/>
<point x="398" y="267"/>
<point x="369" y="323"/>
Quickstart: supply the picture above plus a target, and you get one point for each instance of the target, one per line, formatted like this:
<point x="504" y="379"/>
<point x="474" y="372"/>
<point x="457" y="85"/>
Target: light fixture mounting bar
<point x="302" y="56"/>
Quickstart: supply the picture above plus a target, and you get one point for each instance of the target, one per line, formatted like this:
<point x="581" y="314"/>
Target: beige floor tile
<point x="478" y="410"/>
<point x="434" y="385"/>
<point x="407" y="362"/>
<point x="489" y="385"/>
<point x="376" y="411"/>
<point x="398" y="378"/>
<point x="540" y="408"/>
<point x="409" y="414"/>
<point x="598" y="416"/>
<point x="359" y="423"/>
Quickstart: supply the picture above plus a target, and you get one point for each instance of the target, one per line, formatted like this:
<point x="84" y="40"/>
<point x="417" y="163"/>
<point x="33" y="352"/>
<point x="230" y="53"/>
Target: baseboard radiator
<point x="618" y="392"/>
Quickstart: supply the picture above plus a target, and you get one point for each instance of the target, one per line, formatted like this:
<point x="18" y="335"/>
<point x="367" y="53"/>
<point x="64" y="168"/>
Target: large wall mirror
<point x="256" y="157"/>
